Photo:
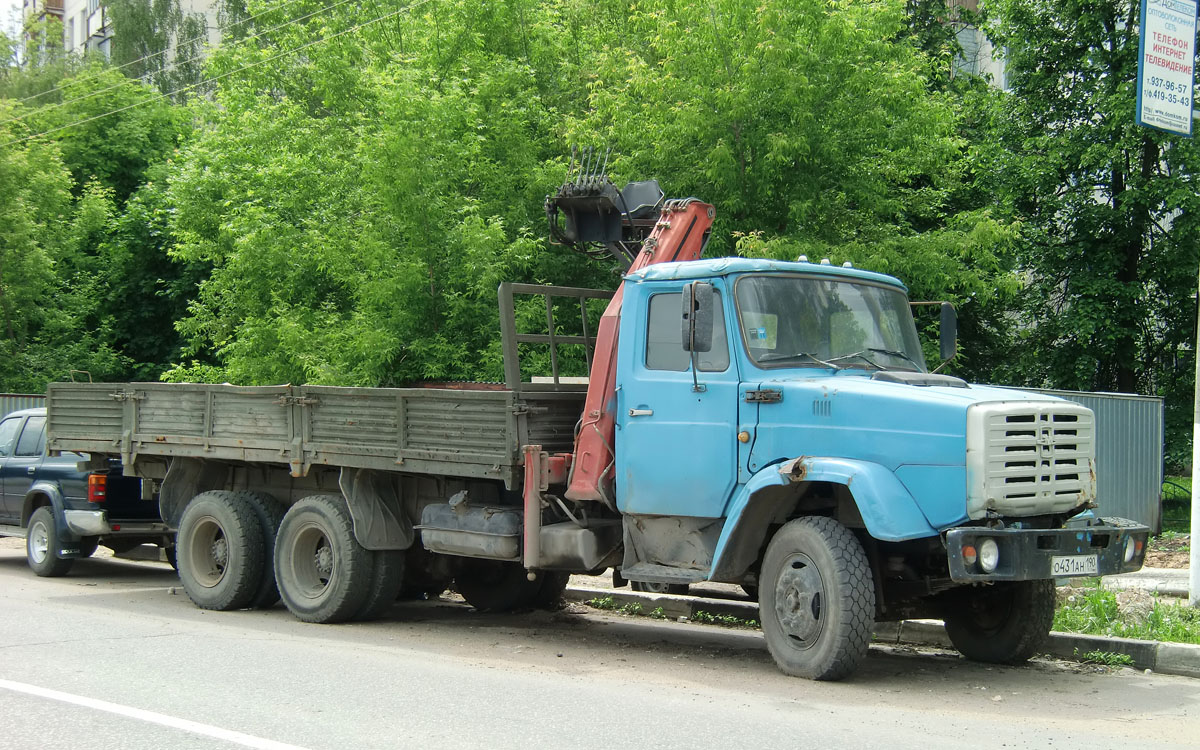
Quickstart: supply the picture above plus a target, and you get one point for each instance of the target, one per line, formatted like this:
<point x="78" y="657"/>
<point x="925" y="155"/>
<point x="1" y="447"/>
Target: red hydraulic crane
<point x="597" y="213"/>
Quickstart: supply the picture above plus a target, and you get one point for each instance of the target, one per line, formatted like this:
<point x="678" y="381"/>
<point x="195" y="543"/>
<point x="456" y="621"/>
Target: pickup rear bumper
<point x="1114" y="545"/>
<point x="96" y="523"/>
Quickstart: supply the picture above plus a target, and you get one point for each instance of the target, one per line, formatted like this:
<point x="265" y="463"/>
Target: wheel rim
<point x="800" y="605"/>
<point x="313" y="557"/>
<point x="208" y="552"/>
<point x="39" y="542"/>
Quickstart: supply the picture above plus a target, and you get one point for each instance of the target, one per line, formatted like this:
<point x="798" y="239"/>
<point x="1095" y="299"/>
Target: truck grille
<point x="1028" y="458"/>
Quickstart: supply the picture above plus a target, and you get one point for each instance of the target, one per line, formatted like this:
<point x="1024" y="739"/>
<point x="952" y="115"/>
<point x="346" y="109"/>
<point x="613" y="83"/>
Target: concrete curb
<point x="1166" y="658"/>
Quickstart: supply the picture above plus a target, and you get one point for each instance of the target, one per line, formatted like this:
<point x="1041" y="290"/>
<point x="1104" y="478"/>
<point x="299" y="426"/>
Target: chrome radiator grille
<point x="1028" y="458"/>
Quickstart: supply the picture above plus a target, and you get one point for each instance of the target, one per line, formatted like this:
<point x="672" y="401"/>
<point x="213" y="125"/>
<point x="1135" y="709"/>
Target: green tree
<point x="1107" y="209"/>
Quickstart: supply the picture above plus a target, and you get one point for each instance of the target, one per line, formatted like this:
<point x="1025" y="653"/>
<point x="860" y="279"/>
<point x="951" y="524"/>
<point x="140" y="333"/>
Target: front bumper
<point x="1029" y="554"/>
<point x="96" y="523"/>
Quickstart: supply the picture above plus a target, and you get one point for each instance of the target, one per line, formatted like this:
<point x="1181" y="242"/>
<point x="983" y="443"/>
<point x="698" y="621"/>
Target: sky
<point x="10" y="16"/>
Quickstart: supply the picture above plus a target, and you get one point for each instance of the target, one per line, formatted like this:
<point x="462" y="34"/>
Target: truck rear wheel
<point x="495" y="586"/>
<point x="816" y="599"/>
<point x="1004" y="623"/>
<point x="386" y="581"/>
<point x="220" y="551"/>
<point x="649" y="587"/>
<point x="41" y="545"/>
<point x="324" y="574"/>
<point x="269" y="513"/>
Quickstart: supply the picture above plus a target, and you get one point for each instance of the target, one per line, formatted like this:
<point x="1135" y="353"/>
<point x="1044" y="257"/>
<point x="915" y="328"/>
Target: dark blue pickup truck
<point x="67" y="505"/>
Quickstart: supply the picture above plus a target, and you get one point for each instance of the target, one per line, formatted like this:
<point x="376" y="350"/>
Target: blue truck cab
<point x="804" y="450"/>
<point x="66" y="505"/>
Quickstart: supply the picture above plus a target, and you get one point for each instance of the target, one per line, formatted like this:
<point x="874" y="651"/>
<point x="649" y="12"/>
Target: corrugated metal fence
<point x="1129" y="453"/>
<point x="10" y="402"/>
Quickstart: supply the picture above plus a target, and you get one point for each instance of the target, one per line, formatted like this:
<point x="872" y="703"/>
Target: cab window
<point x="8" y="432"/>
<point x="33" y="437"/>
<point x="664" y="340"/>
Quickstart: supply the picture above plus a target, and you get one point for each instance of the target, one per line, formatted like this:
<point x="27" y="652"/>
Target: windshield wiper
<point x="895" y="353"/>
<point x="795" y="355"/>
<point x="861" y="355"/>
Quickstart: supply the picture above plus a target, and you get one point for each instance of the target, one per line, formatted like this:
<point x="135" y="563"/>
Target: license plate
<point x="1075" y="565"/>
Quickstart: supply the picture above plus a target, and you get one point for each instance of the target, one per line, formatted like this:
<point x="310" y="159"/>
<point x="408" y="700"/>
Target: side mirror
<point x="949" y="332"/>
<point x="697" y="317"/>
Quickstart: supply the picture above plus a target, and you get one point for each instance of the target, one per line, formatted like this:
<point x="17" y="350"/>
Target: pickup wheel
<point x="41" y="545"/>
<point x="324" y="574"/>
<point x="660" y="588"/>
<point x="1004" y="623"/>
<point x="495" y="586"/>
<point x="219" y="550"/>
<point x="816" y="599"/>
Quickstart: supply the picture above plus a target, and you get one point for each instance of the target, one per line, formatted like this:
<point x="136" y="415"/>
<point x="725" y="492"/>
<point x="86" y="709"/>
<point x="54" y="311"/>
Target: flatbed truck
<point x="766" y="423"/>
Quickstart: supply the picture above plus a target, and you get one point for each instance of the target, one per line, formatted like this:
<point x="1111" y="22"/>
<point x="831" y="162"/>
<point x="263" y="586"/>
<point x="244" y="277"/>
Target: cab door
<point x="20" y="467"/>
<point x="9" y="429"/>
<point x="676" y="445"/>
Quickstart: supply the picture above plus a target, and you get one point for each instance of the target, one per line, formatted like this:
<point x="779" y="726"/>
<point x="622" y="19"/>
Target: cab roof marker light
<point x="847" y="264"/>
<point x="802" y="259"/>
<point x="825" y="261"/>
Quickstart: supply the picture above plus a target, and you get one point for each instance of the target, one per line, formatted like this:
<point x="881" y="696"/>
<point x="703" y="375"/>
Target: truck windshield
<point x="811" y="321"/>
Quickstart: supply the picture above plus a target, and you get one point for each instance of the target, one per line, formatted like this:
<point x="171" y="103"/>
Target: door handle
<point x="641" y="412"/>
<point x="30" y="470"/>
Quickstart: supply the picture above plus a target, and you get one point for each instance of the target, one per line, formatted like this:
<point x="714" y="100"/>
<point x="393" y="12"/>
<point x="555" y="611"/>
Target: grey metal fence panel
<point x="10" y="402"/>
<point x="1129" y="453"/>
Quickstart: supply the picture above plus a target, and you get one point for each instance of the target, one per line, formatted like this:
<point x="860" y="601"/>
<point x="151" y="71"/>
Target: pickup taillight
<point x="97" y="487"/>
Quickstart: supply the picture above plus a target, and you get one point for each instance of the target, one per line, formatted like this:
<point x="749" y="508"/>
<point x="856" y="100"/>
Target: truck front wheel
<point x="816" y="599"/>
<point x="1003" y="623"/>
<point x="324" y="574"/>
<point x="220" y="551"/>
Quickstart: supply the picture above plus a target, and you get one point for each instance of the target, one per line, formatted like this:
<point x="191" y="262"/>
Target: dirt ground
<point x="1169" y="553"/>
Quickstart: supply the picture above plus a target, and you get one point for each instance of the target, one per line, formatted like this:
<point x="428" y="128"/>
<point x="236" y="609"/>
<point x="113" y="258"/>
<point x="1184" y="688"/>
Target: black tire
<point x="172" y="560"/>
<point x="386" y="581"/>
<point x="219" y="550"/>
<point x="816" y="599"/>
<point x="1004" y="623"/>
<point x="550" y="595"/>
<point x="269" y="512"/>
<point x="650" y="587"/>
<point x="41" y="545"/>
<point x="324" y="574"/>
<point x="88" y="545"/>
<point x="751" y="590"/>
<point x="494" y="586"/>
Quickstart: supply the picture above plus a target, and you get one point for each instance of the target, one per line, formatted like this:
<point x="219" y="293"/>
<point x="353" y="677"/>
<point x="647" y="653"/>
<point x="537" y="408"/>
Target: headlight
<point x="989" y="555"/>
<point x="1131" y="548"/>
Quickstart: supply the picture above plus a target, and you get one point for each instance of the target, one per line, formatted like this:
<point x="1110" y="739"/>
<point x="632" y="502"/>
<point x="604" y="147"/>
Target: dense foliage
<point x="335" y="195"/>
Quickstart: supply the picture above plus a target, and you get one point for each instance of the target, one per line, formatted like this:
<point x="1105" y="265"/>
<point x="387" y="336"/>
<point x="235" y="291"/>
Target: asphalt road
<point x="114" y="656"/>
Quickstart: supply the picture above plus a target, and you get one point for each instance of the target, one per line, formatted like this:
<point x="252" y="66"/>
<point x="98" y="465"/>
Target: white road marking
<point x="152" y="717"/>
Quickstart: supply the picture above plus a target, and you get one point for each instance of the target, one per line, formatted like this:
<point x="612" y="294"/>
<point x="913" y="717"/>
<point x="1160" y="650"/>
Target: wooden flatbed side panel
<point x="84" y="417"/>
<point x="364" y="426"/>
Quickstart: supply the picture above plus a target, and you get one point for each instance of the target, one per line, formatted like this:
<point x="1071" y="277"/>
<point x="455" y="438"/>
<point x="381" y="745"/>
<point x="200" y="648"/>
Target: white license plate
<point x="1075" y="565"/>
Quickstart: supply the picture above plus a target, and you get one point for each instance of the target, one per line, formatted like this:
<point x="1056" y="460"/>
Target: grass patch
<point x="609" y="604"/>
<point x="729" y="621"/>
<point x="1101" y="612"/>
<point x="1106" y="658"/>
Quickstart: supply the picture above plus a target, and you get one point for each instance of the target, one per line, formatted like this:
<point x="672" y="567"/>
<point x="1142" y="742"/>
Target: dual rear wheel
<point x="238" y="550"/>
